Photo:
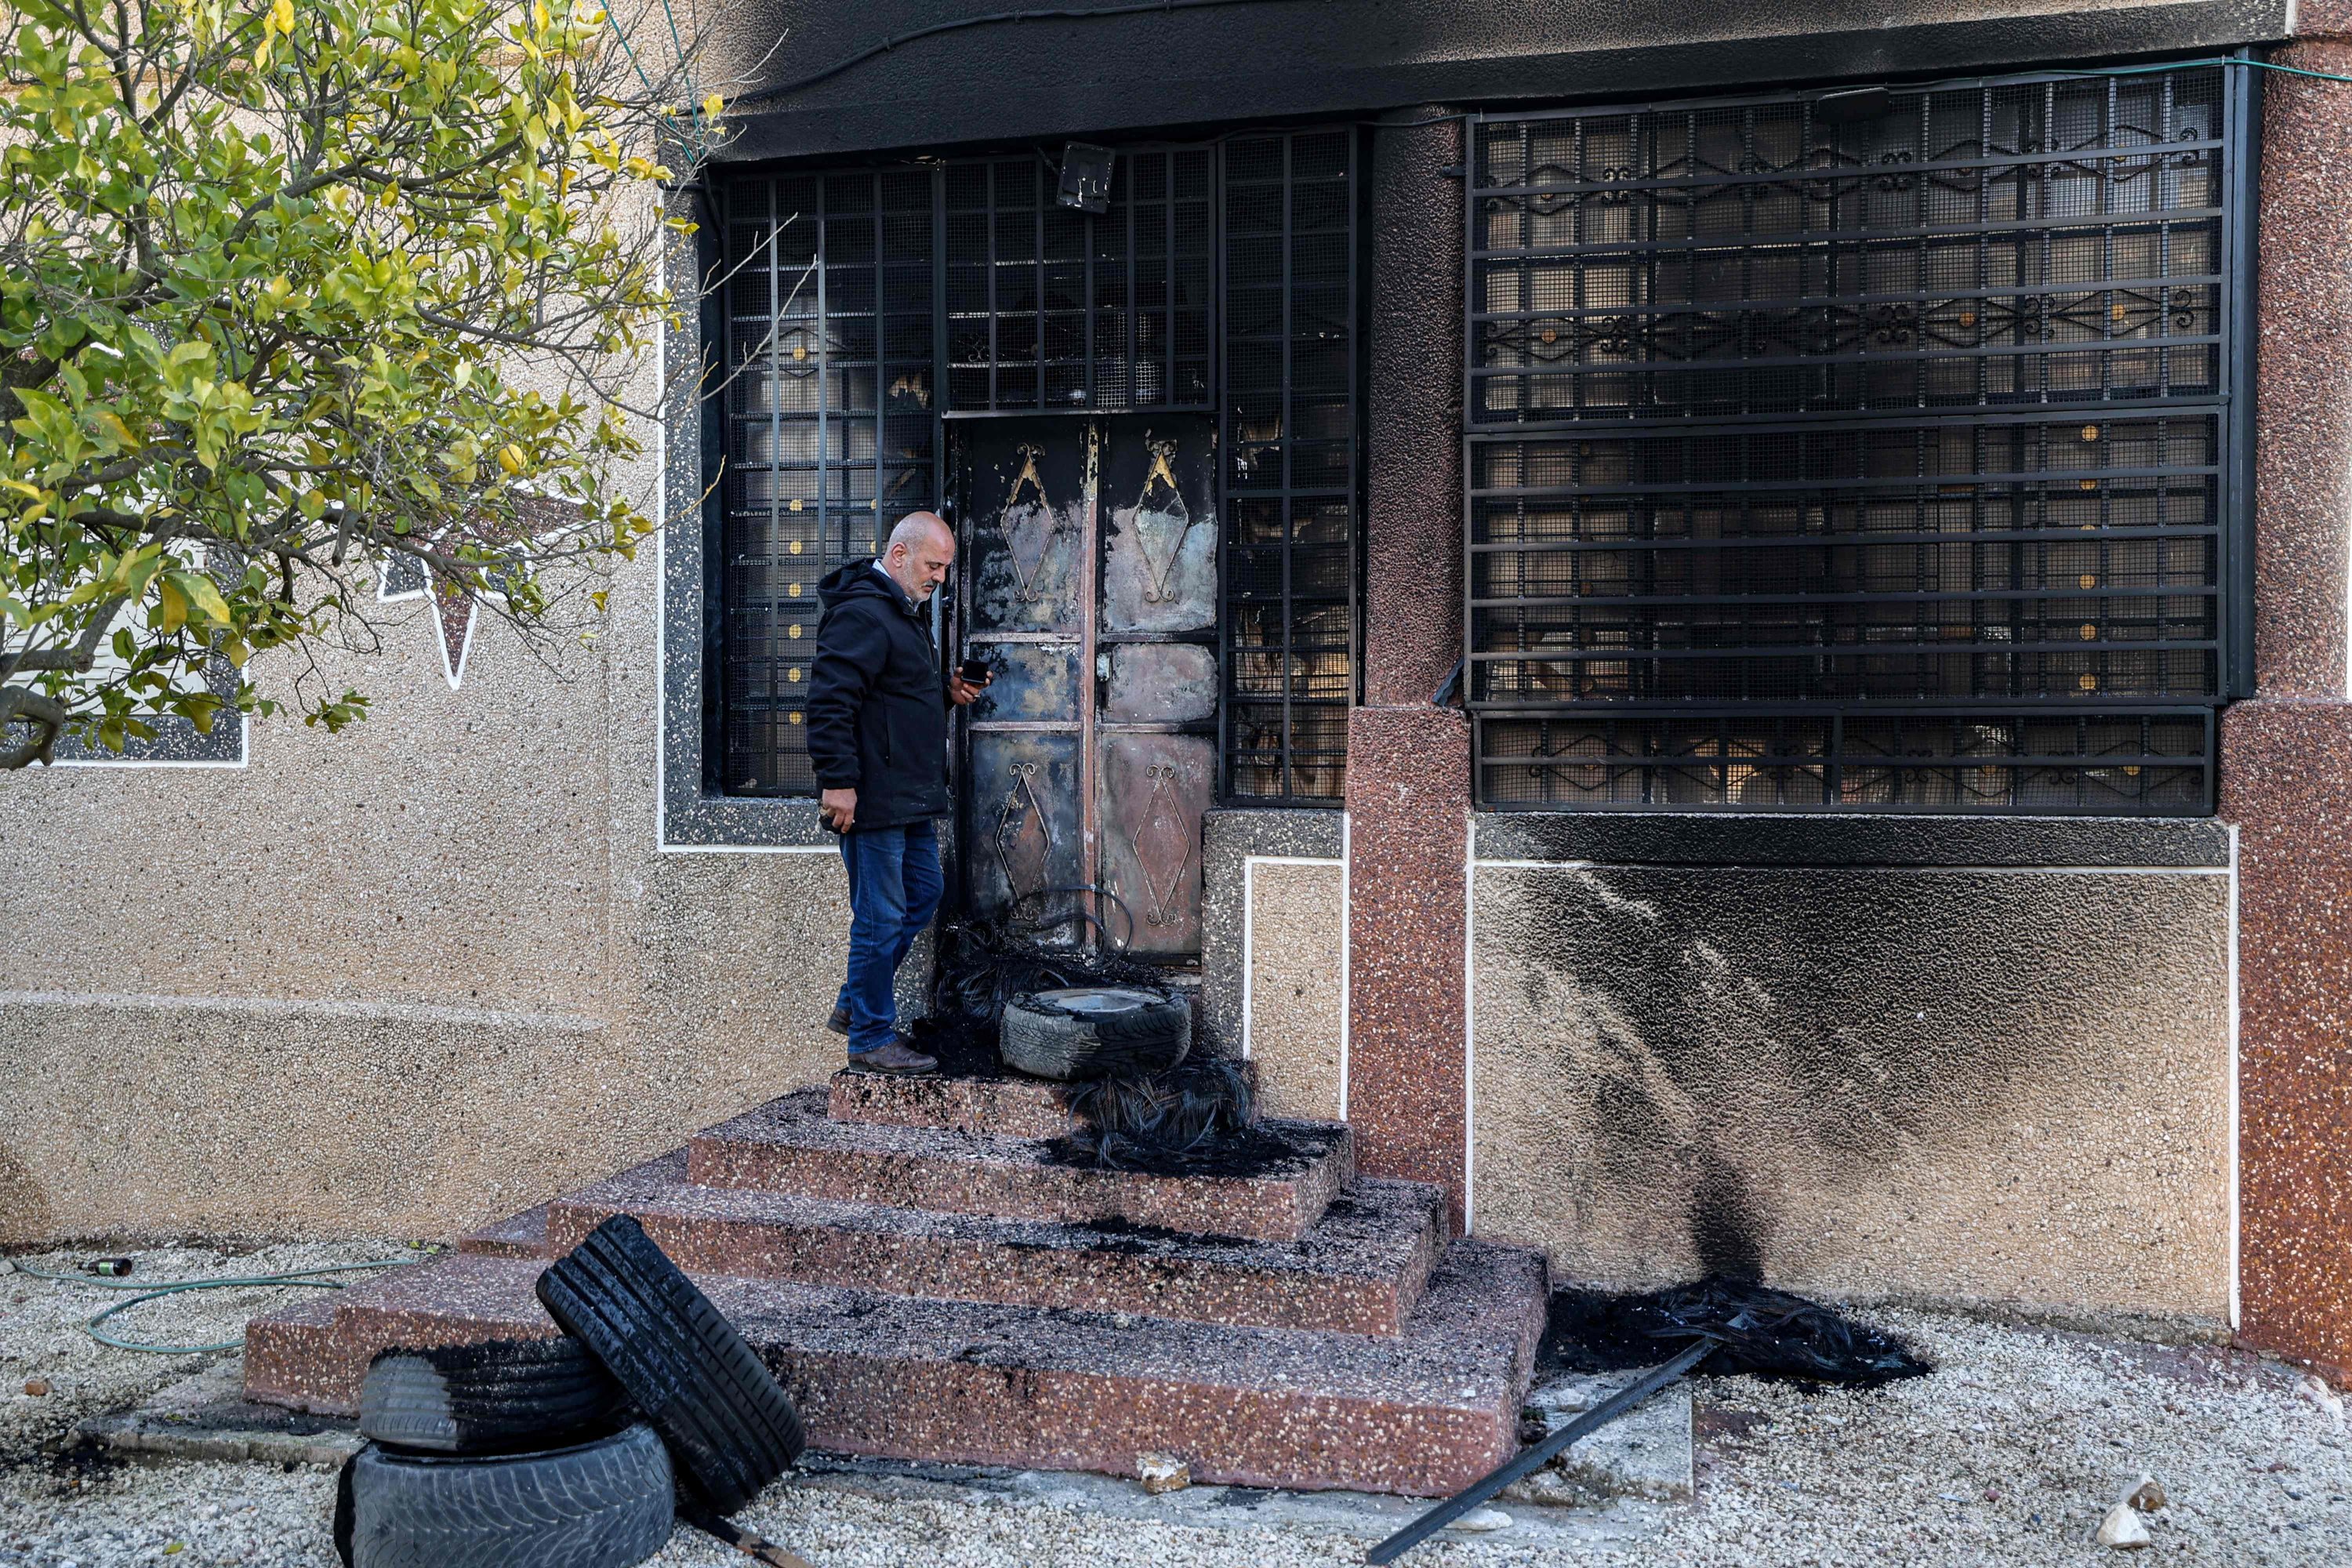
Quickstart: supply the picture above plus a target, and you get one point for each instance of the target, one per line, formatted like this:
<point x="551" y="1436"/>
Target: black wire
<point x="1043" y="14"/>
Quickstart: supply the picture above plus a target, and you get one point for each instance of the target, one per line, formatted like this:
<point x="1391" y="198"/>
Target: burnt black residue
<point x="1189" y="1111"/>
<point x="1251" y="1152"/>
<point x="1125" y="1236"/>
<point x="962" y="1051"/>
<point x="1762" y="1331"/>
<point x="1725" y="1230"/>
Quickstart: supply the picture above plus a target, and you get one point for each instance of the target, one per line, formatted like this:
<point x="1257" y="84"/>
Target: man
<point x="877" y="737"/>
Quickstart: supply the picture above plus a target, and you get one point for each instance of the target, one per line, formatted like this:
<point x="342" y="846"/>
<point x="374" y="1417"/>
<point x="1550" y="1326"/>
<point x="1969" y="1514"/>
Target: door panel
<point x="1032" y="682"/>
<point x="1031" y="535"/>
<point x="1161" y="683"/>
<point x="1160" y="541"/>
<point x="1028" y="538"/>
<point x="1153" y="788"/>
<point x="1092" y="595"/>
<point x="1023" y="800"/>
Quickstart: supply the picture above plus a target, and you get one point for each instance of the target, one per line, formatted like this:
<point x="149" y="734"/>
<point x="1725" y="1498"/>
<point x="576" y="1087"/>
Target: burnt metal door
<point x="1090" y="590"/>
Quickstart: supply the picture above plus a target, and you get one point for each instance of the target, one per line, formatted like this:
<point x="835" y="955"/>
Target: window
<point x="1858" y="455"/>
<point x="1290" y="464"/>
<point x="854" y="299"/>
<point x="1052" y="308"/>
<point x="827" y="405"/>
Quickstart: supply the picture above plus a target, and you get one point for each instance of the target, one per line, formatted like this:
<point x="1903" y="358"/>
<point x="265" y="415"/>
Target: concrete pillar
<point x="1409" y="761"/>
<point x="2286" y="754"/>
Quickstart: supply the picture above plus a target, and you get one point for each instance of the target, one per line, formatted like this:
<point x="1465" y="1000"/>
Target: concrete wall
<point x="402" y="979"/>
<point x="1989" y="1082"/>
<point x="1297" y="987"/>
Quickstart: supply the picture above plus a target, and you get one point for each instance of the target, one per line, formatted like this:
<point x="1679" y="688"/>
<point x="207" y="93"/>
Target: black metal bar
<point x="1534" y="1458"/>
<point x="2247" y="87"/>
<point x="751" y="1544"/>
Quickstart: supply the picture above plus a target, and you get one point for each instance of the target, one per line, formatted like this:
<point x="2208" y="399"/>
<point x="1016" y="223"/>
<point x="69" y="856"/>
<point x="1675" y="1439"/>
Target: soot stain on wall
<point x="1740" y="1042"/>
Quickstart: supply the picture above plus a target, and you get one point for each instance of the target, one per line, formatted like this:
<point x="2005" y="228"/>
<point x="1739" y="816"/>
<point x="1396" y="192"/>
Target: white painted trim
<point x="667" y="848"/>
<point x="1347" y="950"/>
<point x="244" y="755"/>
<point x="1470" y="864"/>
<point x="2233" y="1139"/>
<point x="661" y="573"/>
<point x="1249" y="946"/>
<point x="1871" y="870"/>
<point x="662" y="845"/>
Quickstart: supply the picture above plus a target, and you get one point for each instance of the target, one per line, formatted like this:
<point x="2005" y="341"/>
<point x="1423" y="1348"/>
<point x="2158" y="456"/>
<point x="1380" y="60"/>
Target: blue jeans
<point x="894" y="891"/>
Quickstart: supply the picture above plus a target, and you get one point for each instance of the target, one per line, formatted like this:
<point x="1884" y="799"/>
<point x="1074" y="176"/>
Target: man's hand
<point x="963" y="692"/>
<point x="838" y="808"/>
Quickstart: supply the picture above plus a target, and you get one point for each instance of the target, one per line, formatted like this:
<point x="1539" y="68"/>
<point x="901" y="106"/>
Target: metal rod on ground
<point x="1534" y="1458"/>
<point x="742" y="1540"/>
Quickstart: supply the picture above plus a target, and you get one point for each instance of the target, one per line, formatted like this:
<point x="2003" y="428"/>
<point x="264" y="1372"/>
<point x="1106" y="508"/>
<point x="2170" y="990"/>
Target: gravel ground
<point x="2008" y="1456"/>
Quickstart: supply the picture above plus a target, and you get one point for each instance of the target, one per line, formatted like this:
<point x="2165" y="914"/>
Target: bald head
<point x="921" y="549"/>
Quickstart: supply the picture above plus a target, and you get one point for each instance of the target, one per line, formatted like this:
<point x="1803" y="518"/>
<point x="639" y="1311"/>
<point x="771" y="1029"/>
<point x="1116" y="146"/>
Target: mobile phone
<point x="974" y="671"/>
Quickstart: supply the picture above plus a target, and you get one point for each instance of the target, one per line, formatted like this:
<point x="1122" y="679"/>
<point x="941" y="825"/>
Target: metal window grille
<point x="1881" y="463"/>
<point x="1289" y="310"/>
<point x="1051" y="307"/>
<point x="829" y="427"/>
<point x="853" y="298"/>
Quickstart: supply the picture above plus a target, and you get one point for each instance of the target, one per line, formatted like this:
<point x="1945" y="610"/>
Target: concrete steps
<point x="937" y="1276"/>
<point x="1421" y="1413"/>
<point x="1278" y="1185"/>
<point x="1002" y="1107"/>
<point x="1359" y="1269"/>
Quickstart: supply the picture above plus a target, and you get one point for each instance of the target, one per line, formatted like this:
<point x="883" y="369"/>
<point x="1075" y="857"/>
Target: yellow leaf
<point x="281" y="15"/>
<point x="204" y="594"/>
<point x="114" y="427"/>
<point x="171" y="607"/>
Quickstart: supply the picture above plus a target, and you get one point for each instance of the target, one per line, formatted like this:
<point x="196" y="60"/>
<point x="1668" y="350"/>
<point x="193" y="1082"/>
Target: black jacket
<point x="877" y="705"/>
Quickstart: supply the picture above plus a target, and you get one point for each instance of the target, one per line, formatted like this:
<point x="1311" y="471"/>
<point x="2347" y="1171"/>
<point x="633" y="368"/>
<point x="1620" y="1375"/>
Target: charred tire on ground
<point x="730" y="1425"/>
<point x="484" y="1398"/>
<point x="606" y="1503"/>
<point x="1094" y="1031"/>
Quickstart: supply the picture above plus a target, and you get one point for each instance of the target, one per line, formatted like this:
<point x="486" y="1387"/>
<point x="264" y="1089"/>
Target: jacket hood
<point x="857" y="580"/>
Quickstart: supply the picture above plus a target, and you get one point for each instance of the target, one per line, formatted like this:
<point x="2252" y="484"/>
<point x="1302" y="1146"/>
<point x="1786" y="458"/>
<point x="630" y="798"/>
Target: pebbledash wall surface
<point x="505" y="937"/>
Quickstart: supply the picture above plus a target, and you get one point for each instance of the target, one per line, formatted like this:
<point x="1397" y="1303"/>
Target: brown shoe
<point x="838" y="1021"/>
<point x="897" y="1056"/>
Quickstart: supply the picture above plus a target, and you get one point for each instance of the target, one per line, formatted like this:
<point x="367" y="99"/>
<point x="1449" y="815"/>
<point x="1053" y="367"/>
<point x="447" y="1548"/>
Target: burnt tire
<point x="1094" y="1031"/>
<point x="606" y="1503"/>
<point x="485" y="1398"/>
<point x="731" y="1427"/>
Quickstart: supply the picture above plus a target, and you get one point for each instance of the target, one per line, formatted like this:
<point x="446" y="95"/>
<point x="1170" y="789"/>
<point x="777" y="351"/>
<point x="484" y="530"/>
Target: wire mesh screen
<point x="1291" y="469"/>
<point x="829" y="428"/>
<point x="1049" y="307"/>
<point x="1882" y="463"/>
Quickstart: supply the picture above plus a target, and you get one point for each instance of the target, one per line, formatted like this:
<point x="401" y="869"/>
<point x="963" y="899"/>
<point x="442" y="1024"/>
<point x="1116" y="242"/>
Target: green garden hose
<point x="148" y="1292"/>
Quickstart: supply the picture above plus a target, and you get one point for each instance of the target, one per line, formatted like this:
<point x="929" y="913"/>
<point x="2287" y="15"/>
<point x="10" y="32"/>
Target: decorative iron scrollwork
<point x="1162" y="844"/>
<point x="1162" y="522"/>
<point x="1024" y="835"/>
<point x="1032" y="527"/>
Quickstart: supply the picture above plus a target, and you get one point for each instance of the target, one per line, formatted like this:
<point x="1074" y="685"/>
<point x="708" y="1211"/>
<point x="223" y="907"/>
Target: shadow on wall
<point x="1948" y="1082"/>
